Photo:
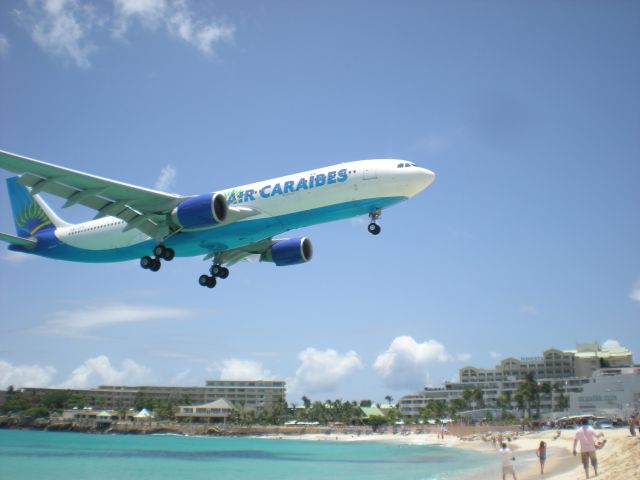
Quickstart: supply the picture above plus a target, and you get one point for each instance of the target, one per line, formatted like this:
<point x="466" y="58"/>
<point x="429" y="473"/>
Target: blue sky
<point x="528" y="112"/>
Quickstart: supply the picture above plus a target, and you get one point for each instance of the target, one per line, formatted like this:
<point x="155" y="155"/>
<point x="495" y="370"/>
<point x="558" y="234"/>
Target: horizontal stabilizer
<point x="23" y="242"/>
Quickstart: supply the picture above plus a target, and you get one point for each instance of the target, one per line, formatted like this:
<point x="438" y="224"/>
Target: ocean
<point x="26" y="454"/>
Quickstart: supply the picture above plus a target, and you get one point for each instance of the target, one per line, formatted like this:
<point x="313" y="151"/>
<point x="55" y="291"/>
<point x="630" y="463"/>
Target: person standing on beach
<point x="507" y="462"/>
<point x="586" y="435"/>
<point x="541" y="452"/>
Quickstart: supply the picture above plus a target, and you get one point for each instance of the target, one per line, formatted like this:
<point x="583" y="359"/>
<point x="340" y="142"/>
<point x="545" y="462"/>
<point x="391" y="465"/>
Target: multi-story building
<point x="554" y="363"/>
<point x="568" y="370"/>
<point x="610" y="391"/>
<point x="255" y="395"/>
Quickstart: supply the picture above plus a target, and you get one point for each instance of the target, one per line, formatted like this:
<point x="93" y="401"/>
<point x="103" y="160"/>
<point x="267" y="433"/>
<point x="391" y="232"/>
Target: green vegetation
<point x="31" y="406"/>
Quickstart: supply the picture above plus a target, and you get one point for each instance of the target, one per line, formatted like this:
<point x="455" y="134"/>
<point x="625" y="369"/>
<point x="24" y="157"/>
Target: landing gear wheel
<point x="373" y="227"/>
<point x="169" y="254"/>
<point x="155" y="265"/>
<point x="216" y="269"/>
<point x="207" y="281"/>
<point x="146" y="262"/>
<point x="224" y="273"/>
<point x="159" y="251"/>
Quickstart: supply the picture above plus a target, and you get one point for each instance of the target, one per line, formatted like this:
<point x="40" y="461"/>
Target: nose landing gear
<point x="373" y="227"/>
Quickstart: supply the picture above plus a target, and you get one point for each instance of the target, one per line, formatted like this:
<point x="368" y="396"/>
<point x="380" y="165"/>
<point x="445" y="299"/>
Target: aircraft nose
<point x="422" y="178"/>
<point x="427" y="176"/>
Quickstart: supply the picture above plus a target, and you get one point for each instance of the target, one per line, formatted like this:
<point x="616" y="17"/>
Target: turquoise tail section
<point x="28" y="215"/>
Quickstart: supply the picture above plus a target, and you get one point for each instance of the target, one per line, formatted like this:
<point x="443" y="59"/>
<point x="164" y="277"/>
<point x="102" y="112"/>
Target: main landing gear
<point x="217" y="271"/>
<point x="374" y="228"/>
<point x="160" y="252"/>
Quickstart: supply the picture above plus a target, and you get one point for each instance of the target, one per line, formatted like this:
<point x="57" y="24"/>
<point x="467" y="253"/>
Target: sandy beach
<point x="619" y="460"/>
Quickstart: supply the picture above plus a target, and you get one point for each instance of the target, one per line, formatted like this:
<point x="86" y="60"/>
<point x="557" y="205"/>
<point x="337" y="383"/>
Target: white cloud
<point x="236" y="369"/>
<point x="25" y="375"/>
<point x="322" y="370"/>
<point x="635" y="292"/>
<point x="167" y="179"/>
<point x="463" y="357"/>
<point x="67" y="28"/>
<point x="148" y="12"/>
<point x="495" y="355"/>
<point x="80" y="322"/>
<point x="4" y="46"/>
<point x="61" y="27"/>
<point x="611" y="344"/>
<point x="404" y="364"/>
<point x="98" y="371"/>
<point x="178" y="20"/>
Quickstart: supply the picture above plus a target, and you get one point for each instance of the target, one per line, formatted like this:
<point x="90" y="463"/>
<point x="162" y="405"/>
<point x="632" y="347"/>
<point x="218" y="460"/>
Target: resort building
<point x="610" y="391"/>
<point x="553" y="364"/>
<point x="567" y="371"/>
<point x="253" y="395"/>
<point x="214" y="412"/>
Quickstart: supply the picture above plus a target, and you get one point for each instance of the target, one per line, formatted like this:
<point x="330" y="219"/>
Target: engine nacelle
<point x="201" y="211"/>
<point x="290" y="251"/>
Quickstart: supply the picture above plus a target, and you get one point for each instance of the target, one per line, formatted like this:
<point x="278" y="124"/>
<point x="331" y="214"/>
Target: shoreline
<point x="619" y="459"/>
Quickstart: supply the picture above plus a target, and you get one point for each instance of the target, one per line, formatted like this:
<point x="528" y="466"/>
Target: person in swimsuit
<point x="541" y="452"/>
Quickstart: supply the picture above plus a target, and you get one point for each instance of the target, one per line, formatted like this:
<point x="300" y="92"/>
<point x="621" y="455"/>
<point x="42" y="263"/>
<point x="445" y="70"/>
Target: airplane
<point x="224" y="226"/>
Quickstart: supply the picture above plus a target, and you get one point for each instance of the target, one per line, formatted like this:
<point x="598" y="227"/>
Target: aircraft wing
<point x="23" y="242"/>
<point x="140" y="207"/>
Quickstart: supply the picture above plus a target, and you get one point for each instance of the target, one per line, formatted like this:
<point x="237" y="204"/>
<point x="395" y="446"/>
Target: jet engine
<point x="201" y="211"/>
<point x="289" y="251"/>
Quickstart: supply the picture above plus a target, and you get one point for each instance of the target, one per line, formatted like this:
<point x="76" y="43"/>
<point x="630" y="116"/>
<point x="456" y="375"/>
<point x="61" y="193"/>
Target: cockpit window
<point x="401" y="165"/>
<point x="407" y="165"/>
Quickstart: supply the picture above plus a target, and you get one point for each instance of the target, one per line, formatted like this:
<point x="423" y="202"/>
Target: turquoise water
<point x="54" y="455"/>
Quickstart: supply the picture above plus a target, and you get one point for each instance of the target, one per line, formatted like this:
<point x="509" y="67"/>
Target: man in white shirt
<point x="507" y="462"/>
<point x="586" y="435"/>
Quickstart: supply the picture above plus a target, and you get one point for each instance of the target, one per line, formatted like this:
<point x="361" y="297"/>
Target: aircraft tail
<point x="30" y="213"/>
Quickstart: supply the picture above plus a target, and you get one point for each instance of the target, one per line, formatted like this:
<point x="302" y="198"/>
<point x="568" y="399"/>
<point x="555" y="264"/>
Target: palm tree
<point x="547" y="390"/>
<point x="504" y="401"/>
<point x="520" y="401"/>
<point x="389" y="399"/>
<point x="528" y="390"/>
<point x="562" y="400"/>
<point x="456" y="405"/>
<point x="467" y="396"/>
<point x="478" y="397"/>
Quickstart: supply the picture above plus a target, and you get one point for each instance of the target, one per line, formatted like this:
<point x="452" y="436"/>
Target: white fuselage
<point x="324" y="191"/>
